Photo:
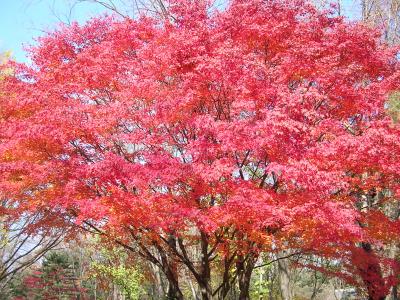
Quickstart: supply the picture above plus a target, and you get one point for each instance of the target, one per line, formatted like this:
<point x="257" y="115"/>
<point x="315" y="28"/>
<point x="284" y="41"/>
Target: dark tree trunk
<point x="394" y="293"/>
<point x="205" y="290"/>
<point x="245" y="266"/>
<point x="174" y="293"/>
<point x="205" y="272"/>
<point x="165" y="263"/>
<point x="170" y="270"/>
<point x="226" y="279"/>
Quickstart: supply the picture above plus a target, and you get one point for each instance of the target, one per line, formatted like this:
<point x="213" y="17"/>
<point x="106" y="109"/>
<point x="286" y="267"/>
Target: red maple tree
<point x="260" y="127"/>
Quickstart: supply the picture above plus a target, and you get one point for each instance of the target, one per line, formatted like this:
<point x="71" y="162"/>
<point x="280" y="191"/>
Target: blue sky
<point x="23" y="20"/>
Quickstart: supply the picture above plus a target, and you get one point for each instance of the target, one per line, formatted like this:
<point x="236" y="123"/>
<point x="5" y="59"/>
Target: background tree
<point x="54" y="279"/>
<point x="384" y="14"/>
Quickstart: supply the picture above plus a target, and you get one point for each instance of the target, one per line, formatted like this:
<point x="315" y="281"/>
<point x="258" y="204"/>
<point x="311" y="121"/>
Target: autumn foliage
<point x="259" y="127"/>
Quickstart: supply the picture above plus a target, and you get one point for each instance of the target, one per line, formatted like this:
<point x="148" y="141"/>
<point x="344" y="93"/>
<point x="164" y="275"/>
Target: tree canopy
<point x="257" y="128"/>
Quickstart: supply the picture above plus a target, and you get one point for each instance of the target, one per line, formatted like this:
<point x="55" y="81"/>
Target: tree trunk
<point x="245" y="267"/>
<point x="170" y="270"/>
<point x="285" y="280"/>
<point x="205" y="291"/>
<point x="394" y="293"/>
<point x="226" y="277"/>
<point x="205" y="272"/>
<point x="174" y="293"/>
<point x="244" y="287"/>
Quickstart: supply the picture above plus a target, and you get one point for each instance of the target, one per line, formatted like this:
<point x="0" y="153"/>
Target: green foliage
<point x="260" y="283"/>
<point x="15" y="288"/>
<point x="112" y="267"/>
<point x="265" y="283"/>
<point x="128" y="279"/>
<point x="56" y="260"/>
<point x="393" y="106"/>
